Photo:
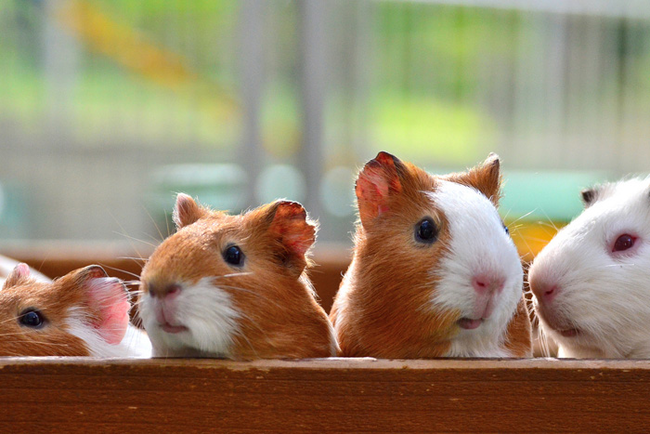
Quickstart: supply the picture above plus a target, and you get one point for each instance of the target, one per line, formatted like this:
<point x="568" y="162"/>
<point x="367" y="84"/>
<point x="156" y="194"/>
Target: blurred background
<point x="109" y="107"/>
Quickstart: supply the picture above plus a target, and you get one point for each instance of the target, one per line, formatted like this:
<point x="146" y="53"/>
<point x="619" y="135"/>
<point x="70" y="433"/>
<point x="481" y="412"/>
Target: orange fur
<point x="378" y="311"/>
<point x="519" y="334"/>
<point x="281" y="317"/>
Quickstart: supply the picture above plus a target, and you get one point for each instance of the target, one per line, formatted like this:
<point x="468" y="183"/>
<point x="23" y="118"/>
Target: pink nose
<point x="543" y="290"/>
<point x="487" y="284"/>
<point x="168" y="292"/>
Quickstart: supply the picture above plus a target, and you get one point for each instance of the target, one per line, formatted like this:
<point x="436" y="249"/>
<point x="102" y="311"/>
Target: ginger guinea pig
<point x="591" y="283"/>
<point x="235" y="286"/>
<point x="7" y="265"/>
<point x="84" y="313"/>
<point x="434" y="271"/>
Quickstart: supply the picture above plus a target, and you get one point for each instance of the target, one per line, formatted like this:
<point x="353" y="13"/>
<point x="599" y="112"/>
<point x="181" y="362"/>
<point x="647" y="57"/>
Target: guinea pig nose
<point x="170" y="291"/>
<point x="173" y="291"/>
<point x="487" y="283"/>
<point x="544" y="291"/>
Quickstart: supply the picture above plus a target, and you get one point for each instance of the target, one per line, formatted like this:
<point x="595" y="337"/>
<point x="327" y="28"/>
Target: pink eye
<point x="624" y="242"/>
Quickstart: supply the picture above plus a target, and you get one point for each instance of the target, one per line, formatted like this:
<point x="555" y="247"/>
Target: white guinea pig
<point x="592" y="281"/>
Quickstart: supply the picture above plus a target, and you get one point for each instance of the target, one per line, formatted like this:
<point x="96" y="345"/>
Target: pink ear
<point x="376" y="182"/>
<point x="109" y="299"/>
<point x="20" y="272"/>
<point x="291" y="227"/>
<point x="186" y="211"/>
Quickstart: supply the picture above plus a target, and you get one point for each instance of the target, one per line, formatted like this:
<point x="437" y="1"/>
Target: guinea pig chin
<point x="554" y="322"/>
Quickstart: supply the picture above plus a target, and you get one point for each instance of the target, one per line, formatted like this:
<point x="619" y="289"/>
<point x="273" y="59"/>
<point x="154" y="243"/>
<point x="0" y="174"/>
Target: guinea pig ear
<point x="589" y="196"/>
<point x="186" y="211"/>
<point x="20" y="274"/>
<point x="290" y="225"/>
<point x="108" y="301"/>
<point x="486" y="178"/>
<point x="377" y="182"/>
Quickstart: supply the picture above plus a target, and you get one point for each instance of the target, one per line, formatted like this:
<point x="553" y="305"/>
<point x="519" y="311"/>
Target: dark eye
<point x="624" y="242"/>
<point x="233" y="255"/>
<point x="31" y="318"/>
<point x="506" y="229"/>
<point x="426" y="231"/>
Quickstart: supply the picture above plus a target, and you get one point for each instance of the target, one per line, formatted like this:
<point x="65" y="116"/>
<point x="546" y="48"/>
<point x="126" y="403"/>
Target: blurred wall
<point x="102" y="102"/>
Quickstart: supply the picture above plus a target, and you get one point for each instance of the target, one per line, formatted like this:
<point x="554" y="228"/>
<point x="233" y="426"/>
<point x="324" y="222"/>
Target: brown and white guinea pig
<point x="84" y="313"/>
<point x="235" y="286"/>
<point x="591" y="283"/>
<point x="434" y="271"/>
<point x="7" y="265"/>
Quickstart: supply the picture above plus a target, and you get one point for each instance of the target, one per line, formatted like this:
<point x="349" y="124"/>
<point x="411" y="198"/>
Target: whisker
<point x="162" y="237"/>
<point x="129" y="237"/>
<point x="121" y="270"/>
<point x="524" y="216"/>
<point x="139" y="260"/>
<point x="243" y="273"/>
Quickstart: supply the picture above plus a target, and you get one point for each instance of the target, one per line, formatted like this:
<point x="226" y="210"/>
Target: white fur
<point x="134" y="344"/>
<point x="606" y="296"/>
<point x="479" y="244"/>
<point x="206" y="310"/>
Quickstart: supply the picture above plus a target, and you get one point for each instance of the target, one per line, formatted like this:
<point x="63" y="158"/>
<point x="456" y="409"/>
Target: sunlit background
<point x="109" y="107"/>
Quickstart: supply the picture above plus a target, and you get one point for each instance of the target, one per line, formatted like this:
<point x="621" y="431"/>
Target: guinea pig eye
<point x="426" y="231"/>
<point x="233" y="255"/>
<point x="31" y="318"/>
<point x="505" y="228"/>
<point x="624" y="242"/>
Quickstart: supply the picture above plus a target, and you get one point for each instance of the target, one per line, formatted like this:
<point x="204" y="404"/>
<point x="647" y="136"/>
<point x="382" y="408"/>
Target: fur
<point x="478" y="244"/>
<point x="208" y="313"/>
<point x="600" y="293"/>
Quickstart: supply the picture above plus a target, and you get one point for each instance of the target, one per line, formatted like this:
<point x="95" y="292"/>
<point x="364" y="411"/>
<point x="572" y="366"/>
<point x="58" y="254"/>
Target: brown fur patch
<point x="485" y="177"/>
<point x="519" y="334"/>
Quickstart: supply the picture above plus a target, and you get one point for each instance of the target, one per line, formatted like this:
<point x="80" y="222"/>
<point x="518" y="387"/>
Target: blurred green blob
<point x="430" y="131"/>
<point x="546" y="196"/>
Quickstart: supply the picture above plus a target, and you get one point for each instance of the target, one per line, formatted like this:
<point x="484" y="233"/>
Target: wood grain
<point x="332" y="395"/>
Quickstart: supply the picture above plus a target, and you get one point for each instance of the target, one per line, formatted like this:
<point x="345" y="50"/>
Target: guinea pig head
<point x="590" y="282"/>
<point x="80" y="314"/>
<point x="234" y="285"/>
<point x="435" y="272"/>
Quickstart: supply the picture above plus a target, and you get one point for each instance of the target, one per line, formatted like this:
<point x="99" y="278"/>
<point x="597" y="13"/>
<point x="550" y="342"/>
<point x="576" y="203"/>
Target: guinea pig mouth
<point x="470" y="324"/>
<point x="173" y="329"/>
<point x="569" y="333"/>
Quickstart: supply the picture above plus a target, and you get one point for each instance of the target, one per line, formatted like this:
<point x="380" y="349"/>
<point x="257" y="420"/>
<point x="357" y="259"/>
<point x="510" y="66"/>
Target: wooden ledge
<point x="326" y="395"/>
<point x="333" y="364"/>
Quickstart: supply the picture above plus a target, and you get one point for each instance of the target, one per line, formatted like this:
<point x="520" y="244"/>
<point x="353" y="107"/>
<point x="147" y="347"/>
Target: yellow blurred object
<point x="531" y="237"/>
<point x="131" y="49"/>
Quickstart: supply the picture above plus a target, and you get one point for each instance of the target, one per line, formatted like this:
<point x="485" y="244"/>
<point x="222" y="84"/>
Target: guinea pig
<point x="84" y="313"/>
<point x="7" y="265"/>
<point x="591" y="281"/>
<point x="434" y="271"/>
<point x="235" y="286"/>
